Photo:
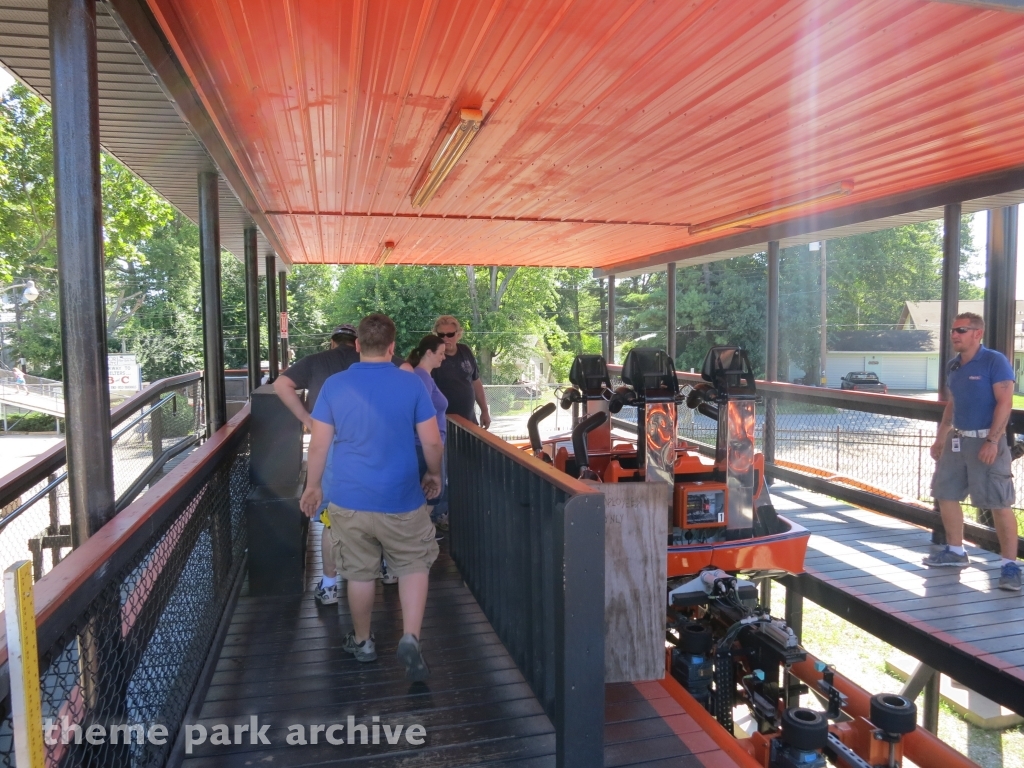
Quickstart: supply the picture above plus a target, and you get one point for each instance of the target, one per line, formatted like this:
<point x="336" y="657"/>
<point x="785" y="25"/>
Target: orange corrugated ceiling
<point x="610" y="125"/>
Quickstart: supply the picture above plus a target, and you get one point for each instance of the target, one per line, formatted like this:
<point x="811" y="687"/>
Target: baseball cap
<point x="346" y="329"/>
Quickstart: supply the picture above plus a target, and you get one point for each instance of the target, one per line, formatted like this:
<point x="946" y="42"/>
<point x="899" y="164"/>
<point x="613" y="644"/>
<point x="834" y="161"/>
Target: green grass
<point x="861" y="657"/>
<point x="1018" y="401"/>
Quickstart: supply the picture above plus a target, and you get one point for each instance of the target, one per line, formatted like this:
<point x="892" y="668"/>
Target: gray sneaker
<point x="1009" y="577"/>
<point x="411" y="656"/>
<point x="364" y="651"/>
<point x="948" y="558"/>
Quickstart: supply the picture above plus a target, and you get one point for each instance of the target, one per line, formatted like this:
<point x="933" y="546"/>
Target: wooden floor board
<point x="282" y="663"/>
<point x="875" y="561"/>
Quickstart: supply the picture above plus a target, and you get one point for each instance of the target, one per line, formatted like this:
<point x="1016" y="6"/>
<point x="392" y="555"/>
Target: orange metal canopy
<point x="610" y="126"/>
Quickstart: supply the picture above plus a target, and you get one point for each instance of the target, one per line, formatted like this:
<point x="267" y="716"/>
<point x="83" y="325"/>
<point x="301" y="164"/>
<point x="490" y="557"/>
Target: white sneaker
<point x="386" y="577"/>
<point x="326" y="595"/>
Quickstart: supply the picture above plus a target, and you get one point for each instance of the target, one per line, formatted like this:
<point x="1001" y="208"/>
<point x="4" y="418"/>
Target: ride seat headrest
<point x="649" y="368"/>
<point x="589" y="372"/>
<point x="728" y="368"/>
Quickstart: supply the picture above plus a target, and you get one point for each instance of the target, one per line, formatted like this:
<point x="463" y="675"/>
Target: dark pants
<point x="442" y="500"/>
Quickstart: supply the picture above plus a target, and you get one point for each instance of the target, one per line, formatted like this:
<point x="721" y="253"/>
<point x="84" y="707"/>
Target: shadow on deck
<point x="282" y="661"/>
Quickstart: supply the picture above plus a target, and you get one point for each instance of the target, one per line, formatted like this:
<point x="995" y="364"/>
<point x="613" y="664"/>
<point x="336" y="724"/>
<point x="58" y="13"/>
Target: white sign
<point x="125" y="374"/>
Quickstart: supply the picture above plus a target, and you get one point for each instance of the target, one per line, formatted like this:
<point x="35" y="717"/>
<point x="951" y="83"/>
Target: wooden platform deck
<point x="867" y="568"/>
<point x="282" y="662"/>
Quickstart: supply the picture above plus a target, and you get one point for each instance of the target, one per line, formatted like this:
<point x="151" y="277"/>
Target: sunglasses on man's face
<point x="961" y="329"/>
<point x="451" y="335"/>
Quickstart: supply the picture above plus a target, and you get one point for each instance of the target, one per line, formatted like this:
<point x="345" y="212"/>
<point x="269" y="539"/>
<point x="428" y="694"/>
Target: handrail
<point x="13" y="484"/>
<point x="560" y="480"/>
<point x="64" y="592"/>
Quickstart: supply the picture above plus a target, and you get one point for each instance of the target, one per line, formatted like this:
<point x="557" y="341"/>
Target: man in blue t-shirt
<point x="970" y="448"/>
<point x="370" y="413"/>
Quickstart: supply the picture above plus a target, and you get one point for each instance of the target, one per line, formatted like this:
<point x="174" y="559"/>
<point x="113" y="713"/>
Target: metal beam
<point x="282" y="289"/>
<point x="670" y="293"/>
<point x="270" y="271"/>
<point x="213" y="335"/>
<point x="950" y="288"/>
<point x="610" y="357"/>
<point x="252" y="307"/>
<point x="1002" y="182"/>
<point x="772" y="348"/>
<point x="823" y="312"/>
<point x="78" y="216"/>
<point x="1001" y="280"/>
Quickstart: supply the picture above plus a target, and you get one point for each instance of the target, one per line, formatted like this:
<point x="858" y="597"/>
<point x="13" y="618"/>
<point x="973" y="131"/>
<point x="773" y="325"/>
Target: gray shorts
<point x="957" y="474"/>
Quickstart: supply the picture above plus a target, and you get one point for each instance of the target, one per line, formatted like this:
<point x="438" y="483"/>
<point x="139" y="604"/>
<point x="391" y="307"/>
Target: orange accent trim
<point x="725" y="740"/>
<point x="921" y="746"/>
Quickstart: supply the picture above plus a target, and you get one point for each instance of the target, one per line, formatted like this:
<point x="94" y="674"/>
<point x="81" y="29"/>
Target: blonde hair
<point x="447" y="320"/>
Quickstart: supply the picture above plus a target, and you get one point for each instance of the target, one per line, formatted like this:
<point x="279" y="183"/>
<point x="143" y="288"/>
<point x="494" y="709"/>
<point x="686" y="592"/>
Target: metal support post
<point x="78" y="214"/>
<point x="252" y="307"/>
<point x="670" y="290"/>
<point x="823" y="341"/>
<point x="794" y="617"/>
<point x="610" y="357"/>
<point x="772" y="350"/>
<point x="270" y="271"/>
<point x="282" y="288"/>
<point x="213" y="336"/>
<point x="950" y="289"/>
<point x="1001" y="280"/>
<point x="604" y="318"/>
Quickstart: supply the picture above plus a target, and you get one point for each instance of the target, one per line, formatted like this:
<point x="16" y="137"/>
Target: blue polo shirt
<point x="374" y="409"/>
<point x="970" y="384"/>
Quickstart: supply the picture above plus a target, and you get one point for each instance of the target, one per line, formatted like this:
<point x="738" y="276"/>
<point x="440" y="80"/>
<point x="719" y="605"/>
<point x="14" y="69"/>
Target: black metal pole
<point x="213" y="336"/>
<point x="950" y="288"/>
<point x="282" y="289"/>
<point x="670" y="288"/>
<point x="270" y="271"/>
<point x="78" y="214"/>
<point x="772" y="349"/>
<point x="604" y="318"/>
<point x="252" y="306"/>
<point x="610" y="357"/>
<point x="1001" y="280"/>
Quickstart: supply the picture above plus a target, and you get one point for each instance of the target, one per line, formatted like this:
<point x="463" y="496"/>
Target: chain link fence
<point x="510" y="406"/>
<point x="35" y="521"/>
<point x="131" y="655"/>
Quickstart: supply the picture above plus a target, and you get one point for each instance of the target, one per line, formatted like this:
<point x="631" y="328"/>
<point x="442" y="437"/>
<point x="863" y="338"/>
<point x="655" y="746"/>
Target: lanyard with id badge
<point x="955" y="445"/>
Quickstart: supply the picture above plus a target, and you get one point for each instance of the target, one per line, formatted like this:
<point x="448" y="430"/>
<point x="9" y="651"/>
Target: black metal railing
<point x="127" y="620"/>
<point x="529" y="543"/>
<point x="866" y="449"/>
<point x="149" y="429"/>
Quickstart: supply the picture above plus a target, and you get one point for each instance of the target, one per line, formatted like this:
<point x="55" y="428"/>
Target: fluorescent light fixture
<point x="752" y="215"/>
<point x="451" y="152"/>
<point x="386" y="251"/>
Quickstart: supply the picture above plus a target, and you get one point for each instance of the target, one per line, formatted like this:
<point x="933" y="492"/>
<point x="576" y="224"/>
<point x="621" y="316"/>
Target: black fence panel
<point x="529" y="543"/>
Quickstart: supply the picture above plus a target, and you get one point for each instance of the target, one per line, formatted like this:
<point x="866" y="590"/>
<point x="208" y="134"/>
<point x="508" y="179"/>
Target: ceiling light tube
<point x="451" y="152"/>
<point x="752" y="215"/>
<point x="385" y="252"/>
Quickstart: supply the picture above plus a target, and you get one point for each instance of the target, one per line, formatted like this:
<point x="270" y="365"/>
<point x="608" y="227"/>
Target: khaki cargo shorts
<point x="957" y="474"/>
<point x="405" y="540"/>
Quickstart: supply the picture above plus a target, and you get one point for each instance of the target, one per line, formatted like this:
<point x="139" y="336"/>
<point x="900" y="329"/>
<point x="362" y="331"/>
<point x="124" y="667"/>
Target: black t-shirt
<point x="312" y="371"/>
<point x="455" y="377"/>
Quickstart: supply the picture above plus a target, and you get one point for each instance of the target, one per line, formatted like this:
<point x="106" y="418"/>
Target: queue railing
<point x="126" y="622"/>
<point x="148" y="430"/>
<point x="872" y="450"/>
<point x="529" y="543"/>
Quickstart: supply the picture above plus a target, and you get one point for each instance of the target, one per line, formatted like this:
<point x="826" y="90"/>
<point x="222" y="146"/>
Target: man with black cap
<point x="309" y="374"/>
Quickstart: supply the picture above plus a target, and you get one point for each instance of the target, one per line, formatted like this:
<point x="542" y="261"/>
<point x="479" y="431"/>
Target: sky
<point x="979" y="225"/>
